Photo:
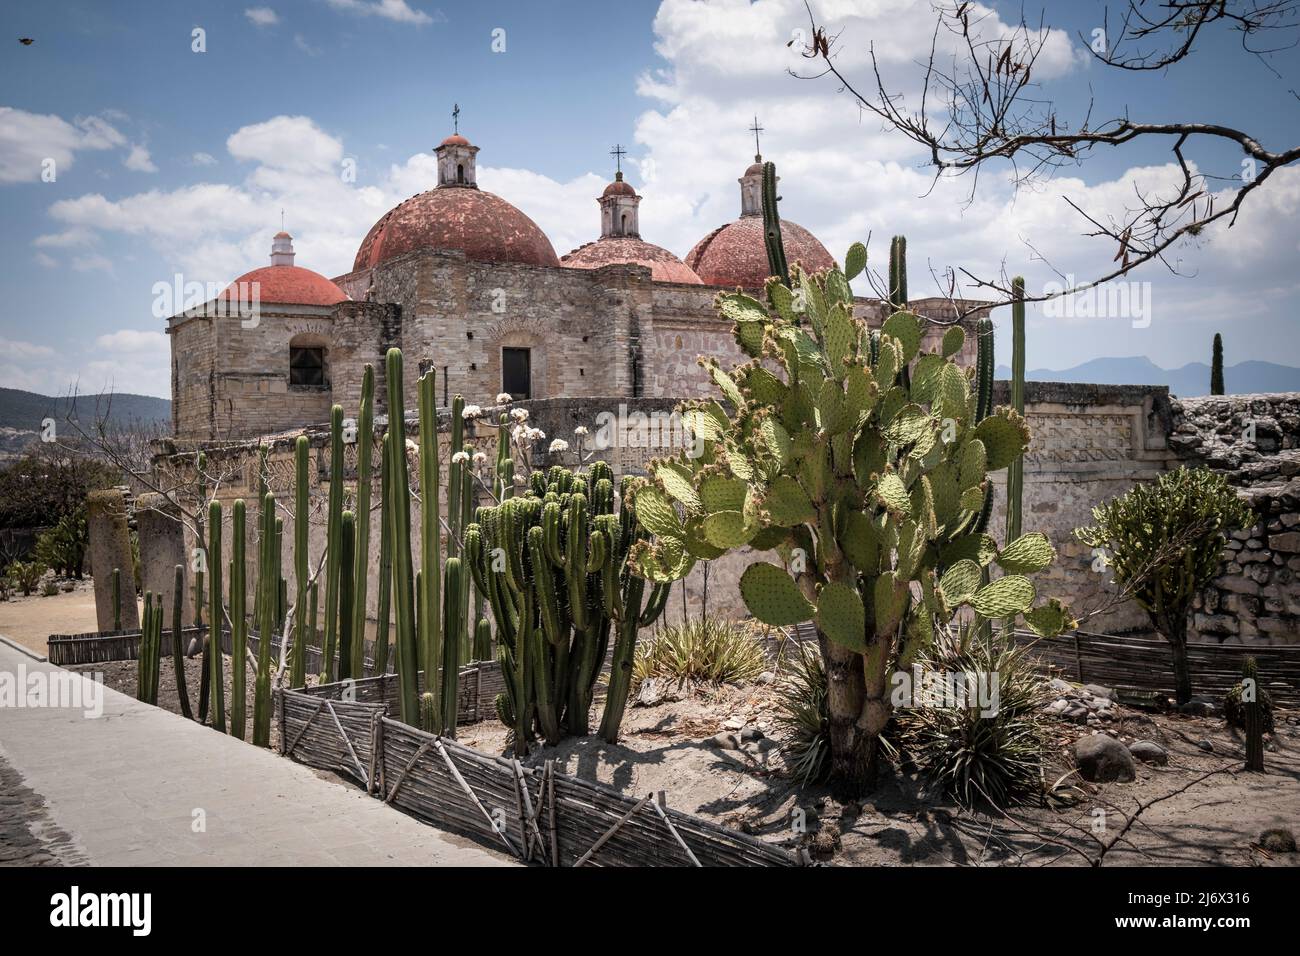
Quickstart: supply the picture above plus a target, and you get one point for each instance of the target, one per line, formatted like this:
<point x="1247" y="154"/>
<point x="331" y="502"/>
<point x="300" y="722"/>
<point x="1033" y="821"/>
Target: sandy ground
<point x="1187" y="820"/>
<point x="30" y="621"/>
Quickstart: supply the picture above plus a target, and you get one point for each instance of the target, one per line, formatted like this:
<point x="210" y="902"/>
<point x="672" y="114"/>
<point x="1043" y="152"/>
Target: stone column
<point x="110" y="547"/>
<point x="162" y="547"/>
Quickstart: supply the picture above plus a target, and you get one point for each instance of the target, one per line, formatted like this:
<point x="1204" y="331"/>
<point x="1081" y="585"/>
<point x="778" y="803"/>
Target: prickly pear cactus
<point x="862" y="464"/>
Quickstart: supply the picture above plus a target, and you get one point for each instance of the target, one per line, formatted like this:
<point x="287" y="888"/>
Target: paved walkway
<point x="130" y="786"/>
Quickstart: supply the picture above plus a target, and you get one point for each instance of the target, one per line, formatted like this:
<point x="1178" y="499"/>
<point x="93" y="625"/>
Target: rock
<point x="1148" y="751"/>
<point x="650" y="693"/>
<point x="1200" y="707"/>
<point x="1103" y="759"/>
<point x="767" y="677"/>
<point x="1205" y="745"/>
<point x="1278" y="840"/>
<point x="1057" y="707"/>
<point x="724" y="742"/>
<point x="1096" y="690"/>
<point x="750" y="734"/>
<point x="1059" y="686"/>
<point x="733" y="723"/>
<point x="766" y="744"/>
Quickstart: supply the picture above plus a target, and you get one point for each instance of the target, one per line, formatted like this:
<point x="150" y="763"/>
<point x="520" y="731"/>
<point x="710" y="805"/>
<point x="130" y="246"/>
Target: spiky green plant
<point x="178" y="651"/>
<point x="430" y="544"/>
<point x="1164" y="542"/>
<point x="238" y="619"/>
<point x="865" y="465"/>
<point x="1256" y="721"/>
<point x="399" y="515"/>
<point x="268" y="577"/>
<point x="702" y="651"/>
<point x="803" y="713"/>
<point x="1016" y="470"/>
<point x="334" y="531"/>
<point x="216" y="676"/>
<point x="553" y="568"/>
<point x="385" y="563"/>
<point x="347" y="556"/>
<point x="200" y="595"/>
<point x="147" y="663"/>
<point x="986" y="744"/>
<point x="772" y="242"/>
<point x="301" y="510"/>
<point x="361" y="567"/>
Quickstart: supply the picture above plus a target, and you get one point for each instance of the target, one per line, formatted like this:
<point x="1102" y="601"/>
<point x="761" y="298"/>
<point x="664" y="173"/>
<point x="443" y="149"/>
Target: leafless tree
<point x="979" y="104"/>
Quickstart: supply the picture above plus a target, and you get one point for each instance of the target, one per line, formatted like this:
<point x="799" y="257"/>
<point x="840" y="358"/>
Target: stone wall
<point x="1255" y="441"/>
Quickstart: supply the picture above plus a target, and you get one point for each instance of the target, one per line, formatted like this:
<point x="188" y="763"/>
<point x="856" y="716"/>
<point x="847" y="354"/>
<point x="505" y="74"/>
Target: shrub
<point x="26" y="575"/>
<point x="1165" y="542"/>
<point x="49" y="588"/>
<point x="711" y="652"/>
<point x="973" y="755"/>
<point x="63" y="547"/>
<point x="802" y="712"/>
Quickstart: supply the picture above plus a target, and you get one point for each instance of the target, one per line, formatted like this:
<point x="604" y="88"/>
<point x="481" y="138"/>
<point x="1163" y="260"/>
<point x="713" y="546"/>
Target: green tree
<point x="864" y="466"/>
<point x="1165" y="542"/>
<point x="1216" y="366"/>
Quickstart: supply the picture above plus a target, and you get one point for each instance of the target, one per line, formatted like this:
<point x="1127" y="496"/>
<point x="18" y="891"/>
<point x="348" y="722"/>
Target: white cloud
<point x="301" y="43"/>
<point x="138" y="160"/>
<point x="262" y="16"/>
<point x="92" y="263"/>
<point x="203" y="159"/>
<point x="27" y="140"/>
<point x="293" y="143"/>
<point x="398" y="11"/>
<point x="124" y="361"/>
<point x="68" y="238"/>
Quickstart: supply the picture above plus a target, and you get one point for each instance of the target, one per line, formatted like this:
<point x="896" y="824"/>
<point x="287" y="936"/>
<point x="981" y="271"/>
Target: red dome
<point x="292" y="285"/>
<point x="455" y="140"/>
<point x="735" y="254"/>
<point x="483" y="226"/>
<point x="663" y="265"/>
<point x="619" y="188"/>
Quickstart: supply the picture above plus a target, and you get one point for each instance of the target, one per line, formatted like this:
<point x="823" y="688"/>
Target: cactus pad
<point x="1027" y="554"/>
<point x="772" y="596"/>
<point x="841" y="616"/>
<point x="1008" y="595"/>
<point x="1005" y="437"/>
<point x="960" y="581"/>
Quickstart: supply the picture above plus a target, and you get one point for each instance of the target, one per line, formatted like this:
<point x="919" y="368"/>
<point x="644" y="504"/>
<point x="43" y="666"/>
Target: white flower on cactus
<point x="460" y="457"/>
<point x="480" y="458"/>
<point x="504" y="398"/>
<point x="471" y="411"/>
<point x="536" y="434"/>
<point x="519" y="432"/>
<point x="580" y="430"/>
<point x="412" y="448"/>
<point x="519" y="479"/>
<point x="519" y="414"/>
<point x="558" y="446"/>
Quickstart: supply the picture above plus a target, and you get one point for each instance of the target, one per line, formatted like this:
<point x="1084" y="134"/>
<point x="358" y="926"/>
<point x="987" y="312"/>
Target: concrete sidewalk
<point x="131" y="786"/>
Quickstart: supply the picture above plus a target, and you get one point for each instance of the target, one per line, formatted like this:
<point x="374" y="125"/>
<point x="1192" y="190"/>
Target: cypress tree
<point x="1216" y="366"/>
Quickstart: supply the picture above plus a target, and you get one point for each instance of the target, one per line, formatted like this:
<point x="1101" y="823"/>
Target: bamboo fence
<point x="535" y="814"/>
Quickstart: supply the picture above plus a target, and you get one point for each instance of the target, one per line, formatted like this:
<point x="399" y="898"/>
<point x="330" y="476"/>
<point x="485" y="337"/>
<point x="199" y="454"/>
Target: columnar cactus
<point x="553" y="567"/>
<point x="239" y="619"/>
<point x="200" y="595"/>
<point x="347" y="556"/>
<point x="399" y="515"/>
<point x="301" y="512"/>
<point x="268" y="577"/>
<point x="1016" y="470"/>
<point x="430" y="544"/>
<point x="178" y="651"/>
<point x="864" y="467"/>
<point x="216" y="676"/>
<point x="1251" y="704"/>
<point x="776" y="262"/>
<point x="361" y="568"/>
<point x="334" y="530"/>
<point x="147" y="663"/>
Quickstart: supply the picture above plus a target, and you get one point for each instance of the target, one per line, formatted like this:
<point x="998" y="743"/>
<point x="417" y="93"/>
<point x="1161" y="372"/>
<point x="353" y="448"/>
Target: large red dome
<point x="663" y="265"/>
<point x="735" y="254"/>
<point x="483" y="226"/>
<point x="291" y="285"/>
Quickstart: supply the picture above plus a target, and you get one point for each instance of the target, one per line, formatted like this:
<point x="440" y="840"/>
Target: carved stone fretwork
<point x="1074" y="439"/>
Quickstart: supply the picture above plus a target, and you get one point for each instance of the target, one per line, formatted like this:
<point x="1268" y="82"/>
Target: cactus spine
<point x="430" y="544"/>
<point x="178" y="652"/>
<point x="347" y="555"/>
<point x="400" y="519"/>
<point x="301" y="510"/>
<point x="216" y="676"/>
<point x="361" y="568"/>
<point x="239" y="620"/>
<point x="268" y="577"/>
<point x="334" y="530"/>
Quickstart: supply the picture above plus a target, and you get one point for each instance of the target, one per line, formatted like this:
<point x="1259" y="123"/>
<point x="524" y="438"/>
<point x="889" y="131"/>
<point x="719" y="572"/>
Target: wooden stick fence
<point x="534" y="813"/>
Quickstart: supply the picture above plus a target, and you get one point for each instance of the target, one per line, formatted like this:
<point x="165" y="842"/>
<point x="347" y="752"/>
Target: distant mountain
<point x="21" y="414"/>
<point x="1189" y="381"/>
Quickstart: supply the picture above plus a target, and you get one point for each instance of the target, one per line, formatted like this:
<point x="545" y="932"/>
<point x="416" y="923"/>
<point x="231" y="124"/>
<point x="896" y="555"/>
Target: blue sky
<point x="175" y="161"/>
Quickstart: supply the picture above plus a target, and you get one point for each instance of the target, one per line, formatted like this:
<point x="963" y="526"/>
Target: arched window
<point x="623" y="224"/>
<point x="460" y="172"/>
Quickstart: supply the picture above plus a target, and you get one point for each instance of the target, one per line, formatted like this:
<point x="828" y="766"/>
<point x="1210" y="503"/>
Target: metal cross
<point x="756" y="129"/>
<point x="455" y="117"/>
<point x="618" y="152"/>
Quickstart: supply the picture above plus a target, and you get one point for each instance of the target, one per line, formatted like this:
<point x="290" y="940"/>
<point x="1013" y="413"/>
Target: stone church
<point x="462" y="280"/>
